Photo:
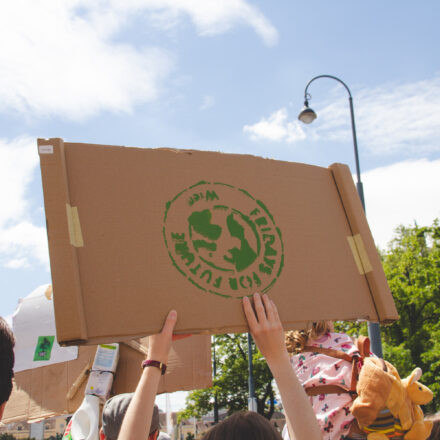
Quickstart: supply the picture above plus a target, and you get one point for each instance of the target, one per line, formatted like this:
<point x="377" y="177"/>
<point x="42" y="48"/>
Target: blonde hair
<point x="296" y="340"/>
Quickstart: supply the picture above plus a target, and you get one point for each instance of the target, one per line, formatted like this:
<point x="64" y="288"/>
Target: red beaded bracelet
<point x="150" y="363"/>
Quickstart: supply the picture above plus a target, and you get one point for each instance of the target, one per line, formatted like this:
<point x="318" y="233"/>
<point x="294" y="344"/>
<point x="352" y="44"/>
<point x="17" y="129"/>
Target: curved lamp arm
<point x="326" y="76"/>
<point x="307" y="96"/>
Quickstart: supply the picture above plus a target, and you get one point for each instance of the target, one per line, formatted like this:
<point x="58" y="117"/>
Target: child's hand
<point x="266" y="328"/>
<point x="160" y="344"/>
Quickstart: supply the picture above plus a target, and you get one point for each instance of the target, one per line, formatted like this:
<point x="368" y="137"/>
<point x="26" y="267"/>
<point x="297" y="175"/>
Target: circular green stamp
<point x="223" y="240"/>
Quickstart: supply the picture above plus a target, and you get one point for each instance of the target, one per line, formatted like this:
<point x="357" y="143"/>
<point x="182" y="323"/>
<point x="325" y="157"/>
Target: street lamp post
<point x="252" y="400"/>
<point x="215" y="392"/>
<point x="307" y="116"/>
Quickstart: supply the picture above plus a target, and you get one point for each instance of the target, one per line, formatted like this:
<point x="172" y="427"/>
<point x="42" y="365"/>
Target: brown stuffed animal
<point x="380" y="387"/>
<point x="417" y="394"/>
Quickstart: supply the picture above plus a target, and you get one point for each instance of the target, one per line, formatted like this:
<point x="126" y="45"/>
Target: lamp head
<point x="307" y="115"/>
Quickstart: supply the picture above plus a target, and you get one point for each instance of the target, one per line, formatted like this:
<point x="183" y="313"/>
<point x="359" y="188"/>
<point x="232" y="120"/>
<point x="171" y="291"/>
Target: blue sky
<point x="218" y="75"/>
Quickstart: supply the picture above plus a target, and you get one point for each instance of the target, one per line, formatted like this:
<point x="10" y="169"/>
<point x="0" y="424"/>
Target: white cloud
<point x="394" y="118"/>
<point x="63" y="58"/>
<point x="208" y="102"/>
<point x="276" y="127"/>
<point x="17" y="263"/>
<point x="20" y="240"/>
<point x="57" y="62"/>
<point x="210" y="17"/>
<point x="402" y="193"/>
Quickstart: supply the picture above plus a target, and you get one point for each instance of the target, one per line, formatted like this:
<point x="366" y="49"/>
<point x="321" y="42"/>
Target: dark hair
<point x="245" y="425"/>
<point x="7" y="343"/>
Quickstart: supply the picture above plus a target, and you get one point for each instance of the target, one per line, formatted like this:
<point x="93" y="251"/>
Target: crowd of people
<point x="298" y="361"/>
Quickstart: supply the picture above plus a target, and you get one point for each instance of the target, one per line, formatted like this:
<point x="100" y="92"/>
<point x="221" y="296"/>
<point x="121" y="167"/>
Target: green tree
<point x="231" y="382"/>
<point x="412" y="266"/>
<point x="6" y="436"/>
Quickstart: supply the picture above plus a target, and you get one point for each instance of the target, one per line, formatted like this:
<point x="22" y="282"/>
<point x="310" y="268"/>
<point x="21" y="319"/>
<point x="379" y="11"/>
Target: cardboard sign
<point x="135" y="232"/>
<point x="58" y="389"/>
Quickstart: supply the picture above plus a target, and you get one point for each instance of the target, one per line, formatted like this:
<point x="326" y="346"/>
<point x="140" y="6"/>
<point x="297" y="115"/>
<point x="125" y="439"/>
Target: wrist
<point x="278" y="361"/>
<point x="157" y="357"/>
<point x="154" y="364"/>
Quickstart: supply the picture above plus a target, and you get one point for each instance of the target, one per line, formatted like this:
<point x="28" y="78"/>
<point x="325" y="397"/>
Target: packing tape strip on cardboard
<point x="359" y="254"/>
<point x="76" y="238"/>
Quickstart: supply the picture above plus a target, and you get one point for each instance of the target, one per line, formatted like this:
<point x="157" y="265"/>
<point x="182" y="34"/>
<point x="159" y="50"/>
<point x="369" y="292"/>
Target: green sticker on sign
<point x="44" y="348"/>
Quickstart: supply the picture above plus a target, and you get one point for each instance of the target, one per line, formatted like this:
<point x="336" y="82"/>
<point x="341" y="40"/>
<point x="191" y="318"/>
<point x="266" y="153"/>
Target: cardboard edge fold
<point x="69" y="237"/>
<point x="362" y="245"/>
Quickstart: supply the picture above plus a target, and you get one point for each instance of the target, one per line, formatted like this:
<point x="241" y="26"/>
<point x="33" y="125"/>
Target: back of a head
<point x="113" y="415"/>
<point x="296" y="340"/>
<point x="435" y="433"/>
<point x="245" y="425"/>
<point x="7" y="343"/>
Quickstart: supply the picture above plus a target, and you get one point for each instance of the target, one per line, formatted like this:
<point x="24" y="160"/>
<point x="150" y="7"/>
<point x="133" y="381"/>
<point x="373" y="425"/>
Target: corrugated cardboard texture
<point x="363" y="239"/>
<point x="195" y="231"/>
<point x="41" y="392"/>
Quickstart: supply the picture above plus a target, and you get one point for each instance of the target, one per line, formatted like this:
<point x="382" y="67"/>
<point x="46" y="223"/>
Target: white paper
<point x="45" y="149"/>
<point x="33" y="322"/>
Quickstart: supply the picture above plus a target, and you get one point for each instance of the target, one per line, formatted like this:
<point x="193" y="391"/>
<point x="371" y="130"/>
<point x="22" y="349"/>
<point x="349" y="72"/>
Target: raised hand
<point x="267" y="330"/>
<point x="266" y="327"/>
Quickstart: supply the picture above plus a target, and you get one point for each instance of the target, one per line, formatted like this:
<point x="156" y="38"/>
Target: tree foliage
<point x="412" y="266"/>
<point x="231" y="381"/>
<point x="6" y="436"/>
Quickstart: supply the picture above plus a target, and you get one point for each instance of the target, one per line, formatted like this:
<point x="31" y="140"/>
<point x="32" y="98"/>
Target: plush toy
<point x="380" y="388"/>
<point x="417" y="394"/>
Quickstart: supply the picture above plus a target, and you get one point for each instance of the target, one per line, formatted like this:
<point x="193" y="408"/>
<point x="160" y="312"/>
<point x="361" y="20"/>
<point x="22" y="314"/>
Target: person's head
<point x="296" y="340"/>
<point x="7" y="343"/>
<point x="113" y="414"/>
<point x="244" y="425"/>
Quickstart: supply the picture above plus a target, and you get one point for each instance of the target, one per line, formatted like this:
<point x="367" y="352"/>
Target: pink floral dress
<point x="313" y="369"/>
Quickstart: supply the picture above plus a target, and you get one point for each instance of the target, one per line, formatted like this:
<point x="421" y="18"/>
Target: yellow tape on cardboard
<point x="359" y="254"/>
<point x="76" y="238"/>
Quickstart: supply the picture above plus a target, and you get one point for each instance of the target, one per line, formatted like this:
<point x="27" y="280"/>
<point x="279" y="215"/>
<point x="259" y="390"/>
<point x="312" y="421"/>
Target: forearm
<point x="137" y="420"/>
<point x="268" y="333"/>
<point x="300" y="417"/>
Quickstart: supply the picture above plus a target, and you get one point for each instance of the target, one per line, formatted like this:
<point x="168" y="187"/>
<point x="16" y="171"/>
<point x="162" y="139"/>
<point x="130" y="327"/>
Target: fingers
<point x="275" y="312"/>
<point x="170" y="322"/>
<point x="259" y="308"/>
<point x="268" y="305"/>
<point x="265" y="310"/>
<point x="249" y="313"/>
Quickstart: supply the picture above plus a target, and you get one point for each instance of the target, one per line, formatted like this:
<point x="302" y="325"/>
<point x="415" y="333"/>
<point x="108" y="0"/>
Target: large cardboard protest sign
<point x="134" y="232"/>
<point x="58" y="389"/>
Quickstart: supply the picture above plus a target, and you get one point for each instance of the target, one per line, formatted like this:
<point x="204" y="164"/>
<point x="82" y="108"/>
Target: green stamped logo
<point x="223" y="240"/>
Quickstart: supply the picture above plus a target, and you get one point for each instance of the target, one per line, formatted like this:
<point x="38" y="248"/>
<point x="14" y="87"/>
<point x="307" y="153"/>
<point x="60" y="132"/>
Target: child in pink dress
<point x="317" y="369"/>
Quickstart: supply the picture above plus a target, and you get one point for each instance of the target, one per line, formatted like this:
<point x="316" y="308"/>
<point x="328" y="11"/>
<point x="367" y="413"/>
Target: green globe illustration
<point x="224" y="238"/>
